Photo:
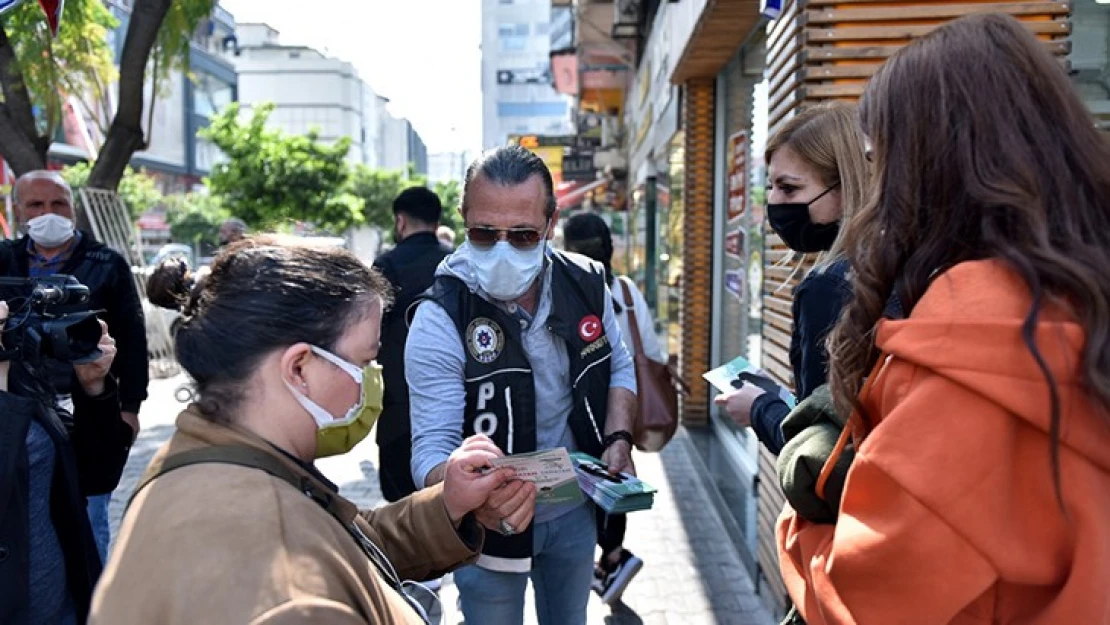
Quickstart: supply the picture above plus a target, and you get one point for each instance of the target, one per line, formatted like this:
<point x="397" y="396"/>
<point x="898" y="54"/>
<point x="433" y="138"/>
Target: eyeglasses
<point x="520" y="238"/>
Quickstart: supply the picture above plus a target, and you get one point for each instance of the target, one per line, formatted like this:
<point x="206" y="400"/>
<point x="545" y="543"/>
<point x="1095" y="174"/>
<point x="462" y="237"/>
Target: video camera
<point x="50" y="318"/>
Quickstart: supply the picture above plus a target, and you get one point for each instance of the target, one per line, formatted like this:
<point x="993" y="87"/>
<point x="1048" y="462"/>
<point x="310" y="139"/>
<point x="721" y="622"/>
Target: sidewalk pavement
<point x="691" y="574"/>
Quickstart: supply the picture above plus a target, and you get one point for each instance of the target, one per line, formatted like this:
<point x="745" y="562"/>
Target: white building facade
<point x="311" y="90"/>
<point x="447" y="166"/>
<point x="517" y="97"/>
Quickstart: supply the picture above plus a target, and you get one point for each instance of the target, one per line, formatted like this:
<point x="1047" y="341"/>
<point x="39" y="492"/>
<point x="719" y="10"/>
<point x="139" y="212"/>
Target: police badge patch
<point x="484" y="340"/>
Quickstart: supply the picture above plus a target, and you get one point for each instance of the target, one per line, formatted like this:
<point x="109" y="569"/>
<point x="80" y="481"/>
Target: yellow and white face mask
<point x="338" y="436"/>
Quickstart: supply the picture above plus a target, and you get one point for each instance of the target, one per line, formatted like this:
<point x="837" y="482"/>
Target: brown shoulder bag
<point x="658" y="387"/>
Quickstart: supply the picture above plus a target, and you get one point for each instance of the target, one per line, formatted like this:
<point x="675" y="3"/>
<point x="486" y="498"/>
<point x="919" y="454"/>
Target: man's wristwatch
<point x="619" y="435"/>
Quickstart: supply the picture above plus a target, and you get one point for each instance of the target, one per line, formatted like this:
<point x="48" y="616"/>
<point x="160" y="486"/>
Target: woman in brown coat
<point x="233" y="523"/>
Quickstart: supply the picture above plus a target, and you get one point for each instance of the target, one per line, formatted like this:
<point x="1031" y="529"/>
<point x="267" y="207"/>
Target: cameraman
<point x="49" y="462"/>
<point x="44" y="206"/>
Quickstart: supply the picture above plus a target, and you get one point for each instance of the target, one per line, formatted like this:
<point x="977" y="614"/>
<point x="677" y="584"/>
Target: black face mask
<point x="791" y="221"/>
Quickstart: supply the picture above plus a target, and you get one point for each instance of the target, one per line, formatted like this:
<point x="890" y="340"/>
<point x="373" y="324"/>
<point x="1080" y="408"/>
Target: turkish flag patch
<point x="589" y="328"/>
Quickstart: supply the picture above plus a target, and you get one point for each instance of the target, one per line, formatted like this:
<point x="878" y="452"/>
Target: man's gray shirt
<point x="434" y="368"/>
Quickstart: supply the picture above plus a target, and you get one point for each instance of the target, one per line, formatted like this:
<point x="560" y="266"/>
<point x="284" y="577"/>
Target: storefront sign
<point x="663" y="98"/>
<point x="551" y="156"/>
<point x="737" y="174"/>
<point x="644" y="83"/>
<point x="642" y="131"/>
<point x="552" y="141"/>
<point x="734" y="284"/>
<point x="590" y="125"/>
<point x="734" y="244"/>
<point x="579" y="168"/>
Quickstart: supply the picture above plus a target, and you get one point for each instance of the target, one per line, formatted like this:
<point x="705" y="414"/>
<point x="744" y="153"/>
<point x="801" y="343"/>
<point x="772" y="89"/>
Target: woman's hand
<point x="738" y="403"/>
<point x="91" y="375"/>
<point x="468" y="482"/>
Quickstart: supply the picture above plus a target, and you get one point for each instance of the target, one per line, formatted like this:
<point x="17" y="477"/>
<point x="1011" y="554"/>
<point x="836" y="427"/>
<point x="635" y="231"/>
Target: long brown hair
<point x="982" y="150"/>
<point x="828" y="138"/>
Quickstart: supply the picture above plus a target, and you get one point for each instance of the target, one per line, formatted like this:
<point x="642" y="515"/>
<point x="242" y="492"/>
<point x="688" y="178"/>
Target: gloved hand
<point x="811" y="431"/>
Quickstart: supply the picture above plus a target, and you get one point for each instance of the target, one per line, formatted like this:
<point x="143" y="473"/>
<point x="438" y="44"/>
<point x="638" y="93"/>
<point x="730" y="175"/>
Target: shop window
<point x="1090" y="56"/>
<point x="670" y="247"/>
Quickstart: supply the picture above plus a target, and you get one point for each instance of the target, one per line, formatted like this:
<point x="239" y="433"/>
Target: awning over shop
<point x="723" y="27"/>
<point x="570" y="194"/>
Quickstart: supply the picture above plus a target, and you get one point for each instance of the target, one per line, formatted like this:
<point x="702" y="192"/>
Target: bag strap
<point x="244" y="457"/>
<point x="630" y="307"/>
<point x="257" y="459"/>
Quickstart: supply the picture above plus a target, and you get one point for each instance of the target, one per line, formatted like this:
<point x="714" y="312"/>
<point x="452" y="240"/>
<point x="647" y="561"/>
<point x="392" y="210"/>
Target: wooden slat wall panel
<point x="828" y="49"/>
<point x="697" y="270"/>
<point x="767" y="551"/>
<point x="909" y="31"/>
<point x="929" y="12"/>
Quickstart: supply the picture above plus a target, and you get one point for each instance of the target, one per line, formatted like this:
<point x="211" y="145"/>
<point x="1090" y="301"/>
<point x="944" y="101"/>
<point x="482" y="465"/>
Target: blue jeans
<point x="562" y="569"/>
<point x="98" y="518"/>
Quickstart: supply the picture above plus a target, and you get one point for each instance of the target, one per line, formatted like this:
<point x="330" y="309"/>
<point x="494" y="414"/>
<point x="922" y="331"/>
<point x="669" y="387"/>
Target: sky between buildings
<point x="421" y="54"/>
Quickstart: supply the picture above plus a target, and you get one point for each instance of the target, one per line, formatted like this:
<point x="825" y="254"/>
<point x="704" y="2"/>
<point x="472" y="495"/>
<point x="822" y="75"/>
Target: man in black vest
<point x="520" y="343"/>
<point x="410" y="268"/>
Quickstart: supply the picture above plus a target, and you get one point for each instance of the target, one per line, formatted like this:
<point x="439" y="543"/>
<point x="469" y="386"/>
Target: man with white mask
<point x="44" y="206"/>
<point x="519" y="342"/>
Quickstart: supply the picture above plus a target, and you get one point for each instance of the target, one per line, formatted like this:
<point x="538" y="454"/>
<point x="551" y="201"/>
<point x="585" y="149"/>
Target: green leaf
<point x="195" y="218"/>
<point x="78" y="61"/>
<point x="272" y="179"/>
<point x="137" y="189"/>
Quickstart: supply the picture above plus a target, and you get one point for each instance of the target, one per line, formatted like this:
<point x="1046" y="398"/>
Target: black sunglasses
<point x="520" y="238"/>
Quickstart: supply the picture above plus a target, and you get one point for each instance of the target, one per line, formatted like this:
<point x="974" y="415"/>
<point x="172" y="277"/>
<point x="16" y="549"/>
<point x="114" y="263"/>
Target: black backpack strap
<point x="244" y="457"/>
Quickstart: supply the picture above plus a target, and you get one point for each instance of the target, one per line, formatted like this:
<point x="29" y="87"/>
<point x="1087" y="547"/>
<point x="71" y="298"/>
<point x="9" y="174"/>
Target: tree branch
<point x="153" y="99"/>
<point x="125" y="136"/>
<point x="19" y="117"/>
<point x="21" y="154"/>
<point x="54" y="101"/>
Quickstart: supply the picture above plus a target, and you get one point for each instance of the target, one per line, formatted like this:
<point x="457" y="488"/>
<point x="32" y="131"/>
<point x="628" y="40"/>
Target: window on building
<point x="513" y="30"/>
<point x="210" y="94"/>
<point x="531" y="109"/>
<point x="513" y="44"/>
<point x="208" y="155"/>
<point x="542" y="28"/>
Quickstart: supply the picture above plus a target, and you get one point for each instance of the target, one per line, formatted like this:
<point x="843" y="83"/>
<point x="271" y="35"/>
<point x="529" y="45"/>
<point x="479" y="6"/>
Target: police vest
<point x="500" y="393"/>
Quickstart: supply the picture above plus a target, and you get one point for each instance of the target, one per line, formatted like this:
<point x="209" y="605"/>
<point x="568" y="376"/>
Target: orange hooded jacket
<point x="949" y="514"/>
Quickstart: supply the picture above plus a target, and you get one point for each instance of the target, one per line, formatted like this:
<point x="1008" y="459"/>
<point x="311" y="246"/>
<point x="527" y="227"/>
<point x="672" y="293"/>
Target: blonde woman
<point x="817" y="173"/>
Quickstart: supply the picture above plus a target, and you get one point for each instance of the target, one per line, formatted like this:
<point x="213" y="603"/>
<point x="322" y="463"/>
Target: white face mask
<point x="504" y="272"/>
<point x="50" y="230"/>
